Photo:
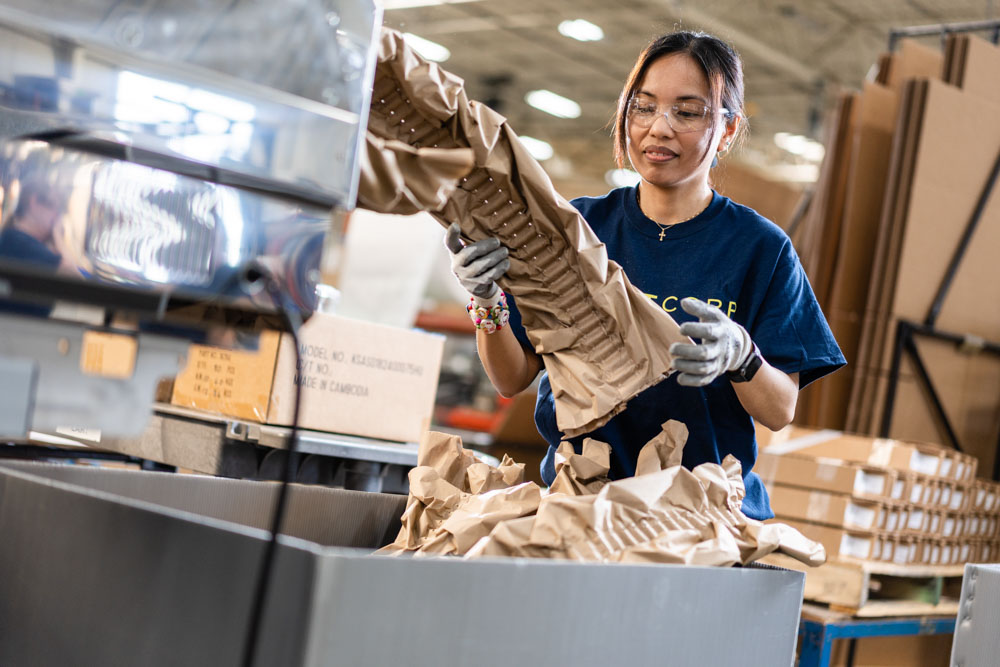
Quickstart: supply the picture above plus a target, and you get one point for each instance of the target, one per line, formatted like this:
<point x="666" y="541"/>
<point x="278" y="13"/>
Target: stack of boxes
<point x="874" y="499"/>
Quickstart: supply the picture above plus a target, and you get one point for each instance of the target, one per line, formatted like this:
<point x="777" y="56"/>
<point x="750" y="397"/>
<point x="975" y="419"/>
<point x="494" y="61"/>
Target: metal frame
<point x="945" y="29"/>
<point x="818" y="637"/>
<point x="907" y="331"/>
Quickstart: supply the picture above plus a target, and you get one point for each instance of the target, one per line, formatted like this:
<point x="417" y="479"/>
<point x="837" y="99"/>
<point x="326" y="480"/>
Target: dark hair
<point x="721" y="64"/>
<point x="31" y="187"/>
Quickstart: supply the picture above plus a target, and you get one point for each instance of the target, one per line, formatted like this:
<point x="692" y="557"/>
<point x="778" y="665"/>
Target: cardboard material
<point x="356" y="377"/>
<point x="828" y="475"/>
<point x="839" y="542"/>
<point x="665" y="514"/>
<point x="601" y="339"/>
<point x="162" y="569"/>
<point x="831" y="509"/>
<point x="866" y="450"/>
<point x="976" y="69"/>
<point x="852" y="272"/>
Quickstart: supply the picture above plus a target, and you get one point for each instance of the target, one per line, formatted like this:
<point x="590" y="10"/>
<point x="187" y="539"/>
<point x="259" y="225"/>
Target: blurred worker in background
<point x="30" y="234"/>
<point x="728" y="275"/>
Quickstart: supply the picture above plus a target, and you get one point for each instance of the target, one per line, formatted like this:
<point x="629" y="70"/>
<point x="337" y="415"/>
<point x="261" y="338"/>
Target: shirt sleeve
<point x="790" y="329"/>
<point x="516" y="327"/>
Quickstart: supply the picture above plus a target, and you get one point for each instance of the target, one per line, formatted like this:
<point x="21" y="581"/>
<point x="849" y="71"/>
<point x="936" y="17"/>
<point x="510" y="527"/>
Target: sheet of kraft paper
<point x="601" y="339"/>
<point x="665" y="514"/>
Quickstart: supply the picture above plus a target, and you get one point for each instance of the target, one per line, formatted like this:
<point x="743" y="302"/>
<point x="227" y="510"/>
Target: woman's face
<point x="661" y="155"/>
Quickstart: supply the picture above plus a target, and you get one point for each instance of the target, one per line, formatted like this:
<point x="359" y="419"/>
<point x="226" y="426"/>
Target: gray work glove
<point x="724" y="346"/>
<point x="477" y="265"/>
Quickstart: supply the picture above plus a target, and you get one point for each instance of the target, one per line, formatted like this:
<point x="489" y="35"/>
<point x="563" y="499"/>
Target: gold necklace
<point x="664" y="228"/>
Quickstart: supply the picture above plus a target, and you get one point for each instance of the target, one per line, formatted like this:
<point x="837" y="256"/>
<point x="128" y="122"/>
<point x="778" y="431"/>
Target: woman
<point x="728" y="275"/>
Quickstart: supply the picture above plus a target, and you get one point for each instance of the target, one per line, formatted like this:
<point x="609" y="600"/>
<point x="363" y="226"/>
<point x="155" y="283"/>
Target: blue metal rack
<point x="818" y="636"/>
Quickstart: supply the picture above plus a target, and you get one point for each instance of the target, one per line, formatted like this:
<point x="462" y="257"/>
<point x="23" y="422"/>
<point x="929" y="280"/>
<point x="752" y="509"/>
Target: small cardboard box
<point x="163" y="568"/>
<point x="832" y="509"/>
<point x="838" y="542"/>
<point x="828" y="475"/>
<point x="356" y="377"/>
<point x="880" y="452"/>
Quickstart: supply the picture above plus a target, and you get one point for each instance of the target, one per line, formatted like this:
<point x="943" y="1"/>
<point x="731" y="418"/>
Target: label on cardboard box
<point x="107" y="354"/>
<point x="232" y="382"/>
<point x="859" y="516"/>
<point x="926" y="464"/>
<point x="358" y="377"/>
<point x="869" y="482"/>
<point x="957" y="497"/>
<point x="855" y="546"/>
<point x="87" y="434"/>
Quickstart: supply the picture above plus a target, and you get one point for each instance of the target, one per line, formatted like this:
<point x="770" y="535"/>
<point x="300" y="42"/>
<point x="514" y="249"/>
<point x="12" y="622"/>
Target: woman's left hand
<point x="724" y="345"/>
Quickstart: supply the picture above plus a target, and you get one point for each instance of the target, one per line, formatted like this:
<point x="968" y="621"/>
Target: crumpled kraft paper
<point x="666" y="514"/>
<point x="400" y="178"/>
<point x="602" y="340"/>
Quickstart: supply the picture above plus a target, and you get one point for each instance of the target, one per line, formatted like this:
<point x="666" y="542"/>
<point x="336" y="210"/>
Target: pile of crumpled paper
<point x="461" y="506"/>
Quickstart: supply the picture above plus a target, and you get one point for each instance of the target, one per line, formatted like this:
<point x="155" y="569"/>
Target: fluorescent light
<point x="581" y="30"/>
<point x="427" y="48"/>
<point x="795" y="173"/>
<point x="549" y="102"/>
<point x="540" y="150"/>
<point x="796" y="144"/>
<point x="406" y="4"/>
<point x="621" y="178"/>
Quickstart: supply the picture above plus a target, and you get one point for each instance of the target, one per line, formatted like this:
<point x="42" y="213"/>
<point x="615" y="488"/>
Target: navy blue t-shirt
<point x="21" y="247"/>
<point x="735" y="259"/>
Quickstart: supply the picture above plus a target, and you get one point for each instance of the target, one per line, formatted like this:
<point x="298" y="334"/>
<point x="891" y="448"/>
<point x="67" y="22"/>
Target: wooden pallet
<point x="872" y="589"/>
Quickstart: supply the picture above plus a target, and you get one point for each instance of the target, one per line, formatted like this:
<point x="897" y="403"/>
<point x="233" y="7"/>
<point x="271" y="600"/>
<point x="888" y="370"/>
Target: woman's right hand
<point x="477" y="266"/>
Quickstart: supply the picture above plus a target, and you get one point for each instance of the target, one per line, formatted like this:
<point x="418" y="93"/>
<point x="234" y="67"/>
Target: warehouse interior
<point x="257" y="401"/>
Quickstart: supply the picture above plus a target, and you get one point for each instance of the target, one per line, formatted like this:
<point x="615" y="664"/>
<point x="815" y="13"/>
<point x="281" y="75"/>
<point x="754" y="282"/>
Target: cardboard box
<point x="832" y="509"/>
<point x="828" y="475"/>
<point x="356" y="377"/>
<point x="838" y="542"/>
<point x="161" y="567"/>
<point x="862" y="449"/>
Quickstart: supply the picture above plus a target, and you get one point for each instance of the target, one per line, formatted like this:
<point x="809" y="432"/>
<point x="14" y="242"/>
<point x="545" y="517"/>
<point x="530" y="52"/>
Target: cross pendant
<point x="662" y="232"/>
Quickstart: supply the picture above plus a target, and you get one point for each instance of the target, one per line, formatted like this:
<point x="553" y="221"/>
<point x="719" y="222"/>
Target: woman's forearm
<point x="510" y="367"/>
<point x="770" y="397"/>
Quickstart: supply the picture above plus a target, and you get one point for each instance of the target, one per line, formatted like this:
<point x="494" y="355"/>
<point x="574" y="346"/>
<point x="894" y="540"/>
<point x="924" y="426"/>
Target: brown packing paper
<point x="581" y="474"/>
<point x="602" y="340"/>
<point x="668" y="514"/>
<point x="455" y="499"/>
<point x="400" y="178"/>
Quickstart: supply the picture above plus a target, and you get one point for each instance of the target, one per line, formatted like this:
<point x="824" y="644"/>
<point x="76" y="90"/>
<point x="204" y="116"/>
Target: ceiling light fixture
<point x="621" y="178"/>
<point x="427" y="48"/>
<point x="540" y="150"/>
<point x="549" y="102"/>
<point x="796" y="144"/>
<point x="389" y="5"/>
<point x="581" y="30"/>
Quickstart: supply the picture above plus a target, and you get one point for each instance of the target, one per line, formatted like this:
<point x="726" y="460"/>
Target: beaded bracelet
<point x="489" y="319"/>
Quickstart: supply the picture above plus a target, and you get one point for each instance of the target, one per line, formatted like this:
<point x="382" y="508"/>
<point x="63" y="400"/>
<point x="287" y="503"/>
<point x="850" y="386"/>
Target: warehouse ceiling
<point x="797" y="56"/>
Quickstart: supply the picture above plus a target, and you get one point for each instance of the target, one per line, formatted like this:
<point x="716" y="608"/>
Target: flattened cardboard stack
<point x="921" y="145"/>
<point x="874" y="499"/>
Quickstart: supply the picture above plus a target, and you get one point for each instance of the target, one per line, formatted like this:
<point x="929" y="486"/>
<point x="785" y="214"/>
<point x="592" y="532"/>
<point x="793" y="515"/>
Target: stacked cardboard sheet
<point x="874" y="499"/>
<point x="908" y="160"/>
